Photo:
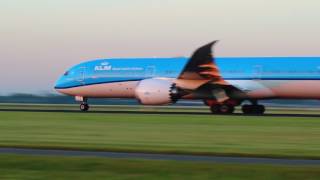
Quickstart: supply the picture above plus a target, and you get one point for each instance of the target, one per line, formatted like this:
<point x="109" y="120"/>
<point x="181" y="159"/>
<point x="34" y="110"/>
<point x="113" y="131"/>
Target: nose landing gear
<point x="84" y="107"/>
<point x="84" y="103"/>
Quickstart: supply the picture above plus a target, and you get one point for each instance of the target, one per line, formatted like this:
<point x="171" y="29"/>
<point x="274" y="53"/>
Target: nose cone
<point x="59" y="84"/>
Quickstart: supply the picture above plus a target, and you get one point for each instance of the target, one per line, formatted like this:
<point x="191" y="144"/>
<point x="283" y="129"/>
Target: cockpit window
<point x="66" y="73"/>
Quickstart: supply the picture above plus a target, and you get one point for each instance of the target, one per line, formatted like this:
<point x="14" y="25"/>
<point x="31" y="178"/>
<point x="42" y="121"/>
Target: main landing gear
<point x="229" y="108"/>
<point x="222" y="109"/>
<point x="254" y="108"/>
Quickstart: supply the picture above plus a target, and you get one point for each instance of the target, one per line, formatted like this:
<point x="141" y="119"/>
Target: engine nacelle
<point x="156" y="92"/>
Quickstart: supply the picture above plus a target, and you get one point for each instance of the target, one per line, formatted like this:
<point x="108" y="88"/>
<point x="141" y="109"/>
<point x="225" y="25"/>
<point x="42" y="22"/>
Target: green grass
<point x="264" y="136"/>
<point x="51" y="167"/>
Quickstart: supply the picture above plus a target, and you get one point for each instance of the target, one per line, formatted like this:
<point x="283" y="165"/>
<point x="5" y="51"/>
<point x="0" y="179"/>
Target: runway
<point x="157" y="112"/>
<point x="149" y="156"/>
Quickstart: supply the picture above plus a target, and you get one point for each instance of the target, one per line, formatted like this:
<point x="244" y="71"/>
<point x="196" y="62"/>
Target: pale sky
<point x="40" y="39"/>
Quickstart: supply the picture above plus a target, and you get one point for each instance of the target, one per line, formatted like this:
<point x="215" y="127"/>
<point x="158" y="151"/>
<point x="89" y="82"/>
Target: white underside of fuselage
<point x="282" y="89"/>
<point x="255" y="89"/>
<point x="104" y="90"/>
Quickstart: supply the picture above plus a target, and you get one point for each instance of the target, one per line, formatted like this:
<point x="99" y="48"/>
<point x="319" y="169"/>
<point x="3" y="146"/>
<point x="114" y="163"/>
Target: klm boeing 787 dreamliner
<point x="222" y="83"/>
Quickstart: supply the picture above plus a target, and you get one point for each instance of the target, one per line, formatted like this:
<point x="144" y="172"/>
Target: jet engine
<point x="157" y="92"/>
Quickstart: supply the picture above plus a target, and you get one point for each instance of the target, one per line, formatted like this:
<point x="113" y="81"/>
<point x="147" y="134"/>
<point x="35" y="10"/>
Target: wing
<point x="203" y="69"/>
<point x="201" y="66"/>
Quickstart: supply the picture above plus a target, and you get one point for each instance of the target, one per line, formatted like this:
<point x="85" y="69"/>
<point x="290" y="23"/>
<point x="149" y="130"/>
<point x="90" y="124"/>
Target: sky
<point x="40" y="39"/>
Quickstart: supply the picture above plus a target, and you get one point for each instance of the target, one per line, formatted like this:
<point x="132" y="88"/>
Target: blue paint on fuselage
<point x="231" y="68"/>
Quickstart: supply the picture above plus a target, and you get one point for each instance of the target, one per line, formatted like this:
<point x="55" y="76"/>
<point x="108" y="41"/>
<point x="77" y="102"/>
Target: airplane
<point x="221" y="83"/>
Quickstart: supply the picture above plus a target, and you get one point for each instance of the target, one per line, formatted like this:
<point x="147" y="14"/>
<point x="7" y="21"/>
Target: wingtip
<point x="214" y="42"/>
<point x="210" y="45"/>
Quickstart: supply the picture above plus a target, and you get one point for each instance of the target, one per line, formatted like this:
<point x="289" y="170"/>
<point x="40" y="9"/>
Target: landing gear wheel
<point x="226" y="109"/>
<point x="260" y="109"/>
<point x="84" y="107"/>
<point x="222" y="109"/>
<point x="253" y="109"/>
<point x="247" y="109"/>
<point x="215" y="109"/>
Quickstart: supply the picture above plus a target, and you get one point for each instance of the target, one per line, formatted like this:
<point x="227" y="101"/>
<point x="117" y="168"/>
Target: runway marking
<point x="149" y="156"/>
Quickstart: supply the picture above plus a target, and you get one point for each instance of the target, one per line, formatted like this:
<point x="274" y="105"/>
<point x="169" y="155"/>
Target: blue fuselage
<point x="136" y="69"/>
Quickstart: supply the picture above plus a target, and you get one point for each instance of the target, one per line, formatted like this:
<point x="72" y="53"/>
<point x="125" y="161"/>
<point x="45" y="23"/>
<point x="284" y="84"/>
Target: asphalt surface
<point x="148" y="156"/>
<point x="157" y="112"/>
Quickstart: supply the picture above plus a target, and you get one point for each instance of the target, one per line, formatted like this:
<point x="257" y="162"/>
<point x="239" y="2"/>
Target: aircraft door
<point x="81" y="75"/>
<point x="257" y="72"/>
<point x="150" y="71"/>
